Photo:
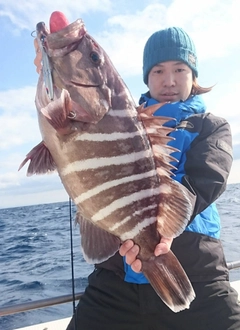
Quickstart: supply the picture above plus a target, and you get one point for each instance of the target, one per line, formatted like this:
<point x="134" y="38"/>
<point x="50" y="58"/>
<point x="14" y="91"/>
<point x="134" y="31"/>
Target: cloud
<point x="42" y="197"/>
<point x="211" y="24"/>
<point x="236" y="152"/>
<point x="18" y="117"/>
<point x="222" y="102"/>
<point x="17" y="189"/>
<point x="234" y="176"/>
<point x="125" y="36"/>
<point x="26" y="13"/>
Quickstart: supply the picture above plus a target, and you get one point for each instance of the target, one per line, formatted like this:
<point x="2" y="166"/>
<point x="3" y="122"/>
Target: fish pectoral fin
<point x="175" y="208"/>
<point x="169" y="280"/>
<point x="41" y="160"/>
<point x="58" y="113"/>
<point x="97" y="244"/>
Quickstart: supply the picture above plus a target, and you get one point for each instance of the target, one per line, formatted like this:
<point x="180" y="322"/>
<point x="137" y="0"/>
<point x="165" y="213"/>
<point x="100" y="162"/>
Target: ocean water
<point x="35" y="255"/>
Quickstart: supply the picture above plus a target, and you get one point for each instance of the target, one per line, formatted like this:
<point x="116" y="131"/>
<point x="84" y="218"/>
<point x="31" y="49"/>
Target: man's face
<point x="170" y="81"/>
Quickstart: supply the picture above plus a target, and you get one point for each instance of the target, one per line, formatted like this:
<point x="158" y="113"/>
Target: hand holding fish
<point x="131" y="250"/>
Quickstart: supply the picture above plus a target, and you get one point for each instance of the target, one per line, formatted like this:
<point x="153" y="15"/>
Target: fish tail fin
<point x="169" y="280"/>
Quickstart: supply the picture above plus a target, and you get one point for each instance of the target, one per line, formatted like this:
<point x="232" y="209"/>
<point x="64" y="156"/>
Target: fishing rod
<point x="72" y="264"/>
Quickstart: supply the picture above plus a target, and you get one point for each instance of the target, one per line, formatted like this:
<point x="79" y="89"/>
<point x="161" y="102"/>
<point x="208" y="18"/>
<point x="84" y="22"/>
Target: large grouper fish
<point x="112" y="158"/>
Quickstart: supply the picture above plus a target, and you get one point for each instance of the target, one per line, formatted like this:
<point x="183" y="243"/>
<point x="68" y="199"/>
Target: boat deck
<point x="60" y="324"/>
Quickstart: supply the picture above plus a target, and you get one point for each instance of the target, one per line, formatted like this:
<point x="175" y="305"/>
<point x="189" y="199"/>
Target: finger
<point x="131" y="255"/>
<point x="125" y="247"/>
<point x="136" y="266"/>
<point x="130" y="251"/>
<point x="164" y="246"/>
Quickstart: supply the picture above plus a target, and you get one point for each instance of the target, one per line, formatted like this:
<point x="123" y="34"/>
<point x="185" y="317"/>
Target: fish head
<point x="80" y="66"/>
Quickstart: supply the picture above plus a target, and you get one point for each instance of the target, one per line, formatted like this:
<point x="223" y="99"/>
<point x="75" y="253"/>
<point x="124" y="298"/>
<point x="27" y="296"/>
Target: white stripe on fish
<point x="94" y="163"/>
<point x="113" y="183"/>
<point x="123" y="202"/>
<point x="137" y="229"/>
<point x="122" y="113"/>
<point x="121" y="223"/>
<point x="100" y="137"/>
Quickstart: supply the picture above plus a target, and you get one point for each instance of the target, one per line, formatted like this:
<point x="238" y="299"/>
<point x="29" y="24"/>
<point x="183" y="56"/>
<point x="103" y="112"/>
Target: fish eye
<point x="94" y="56"/>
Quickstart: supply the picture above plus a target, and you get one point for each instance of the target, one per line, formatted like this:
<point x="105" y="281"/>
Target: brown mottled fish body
<point x="113" y="160"/>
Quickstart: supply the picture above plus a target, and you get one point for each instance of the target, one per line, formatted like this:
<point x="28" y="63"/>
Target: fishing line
<point x="72" y="264"/>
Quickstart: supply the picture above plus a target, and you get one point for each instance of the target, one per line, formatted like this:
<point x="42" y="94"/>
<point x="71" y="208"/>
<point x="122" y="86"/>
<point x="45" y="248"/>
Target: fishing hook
<point x="72" y="115"/>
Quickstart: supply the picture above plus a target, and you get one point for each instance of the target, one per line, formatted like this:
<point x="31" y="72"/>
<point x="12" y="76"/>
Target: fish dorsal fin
<point x="175" y="208"/>
<point x="158" y="136"/>
<point x="41" y="160"/>
<point x="97" y="244"/>
<point x="176" y="201"/>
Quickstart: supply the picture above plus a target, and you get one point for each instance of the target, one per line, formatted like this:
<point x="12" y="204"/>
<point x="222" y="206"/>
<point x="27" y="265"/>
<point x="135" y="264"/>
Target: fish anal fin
<point x="41" y="160"/>
<point x="97" y="244"/>
<point x="169" y="280"/>
<point x="175" y="207"/>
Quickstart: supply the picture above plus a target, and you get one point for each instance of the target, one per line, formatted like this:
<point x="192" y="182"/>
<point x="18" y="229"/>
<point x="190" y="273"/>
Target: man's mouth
<point x="169" y="94"/>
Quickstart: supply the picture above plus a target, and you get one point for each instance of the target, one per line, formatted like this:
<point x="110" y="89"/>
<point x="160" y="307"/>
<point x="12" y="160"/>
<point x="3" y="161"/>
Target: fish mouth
<point x="84" y="85"/>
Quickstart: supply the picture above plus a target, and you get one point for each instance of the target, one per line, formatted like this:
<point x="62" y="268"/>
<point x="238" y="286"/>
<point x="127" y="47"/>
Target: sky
<point x="122" y="28"/>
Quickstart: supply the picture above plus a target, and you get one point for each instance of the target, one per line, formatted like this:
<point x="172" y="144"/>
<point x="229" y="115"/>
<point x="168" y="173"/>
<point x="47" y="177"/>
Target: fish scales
<point x="103" y="197"/>
<point x="110" y="173"/>
<point x="113" y="159"/>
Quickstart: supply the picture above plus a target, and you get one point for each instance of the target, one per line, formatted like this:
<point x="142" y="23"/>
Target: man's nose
<point x="169" y="80"/>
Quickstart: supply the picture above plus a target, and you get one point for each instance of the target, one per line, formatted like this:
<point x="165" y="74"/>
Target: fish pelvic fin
<point x="169" y="280"/>
<point x="41" y="161"/>
<point x="97" y="244"/>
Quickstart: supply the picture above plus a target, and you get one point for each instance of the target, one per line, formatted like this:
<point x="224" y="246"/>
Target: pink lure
<point x="58" y="21"/>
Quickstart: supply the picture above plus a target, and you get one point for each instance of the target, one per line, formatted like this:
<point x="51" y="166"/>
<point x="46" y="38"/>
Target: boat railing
<point x="18" y="308"/>
<point x="233" y="265"/>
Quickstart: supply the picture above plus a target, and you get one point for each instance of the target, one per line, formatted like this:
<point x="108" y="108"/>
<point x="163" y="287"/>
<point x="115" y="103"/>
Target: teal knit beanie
<point x="171" y="44"/>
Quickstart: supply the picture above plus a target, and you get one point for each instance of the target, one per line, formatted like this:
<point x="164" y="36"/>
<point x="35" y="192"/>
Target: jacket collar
<point x="178" y="110"/>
